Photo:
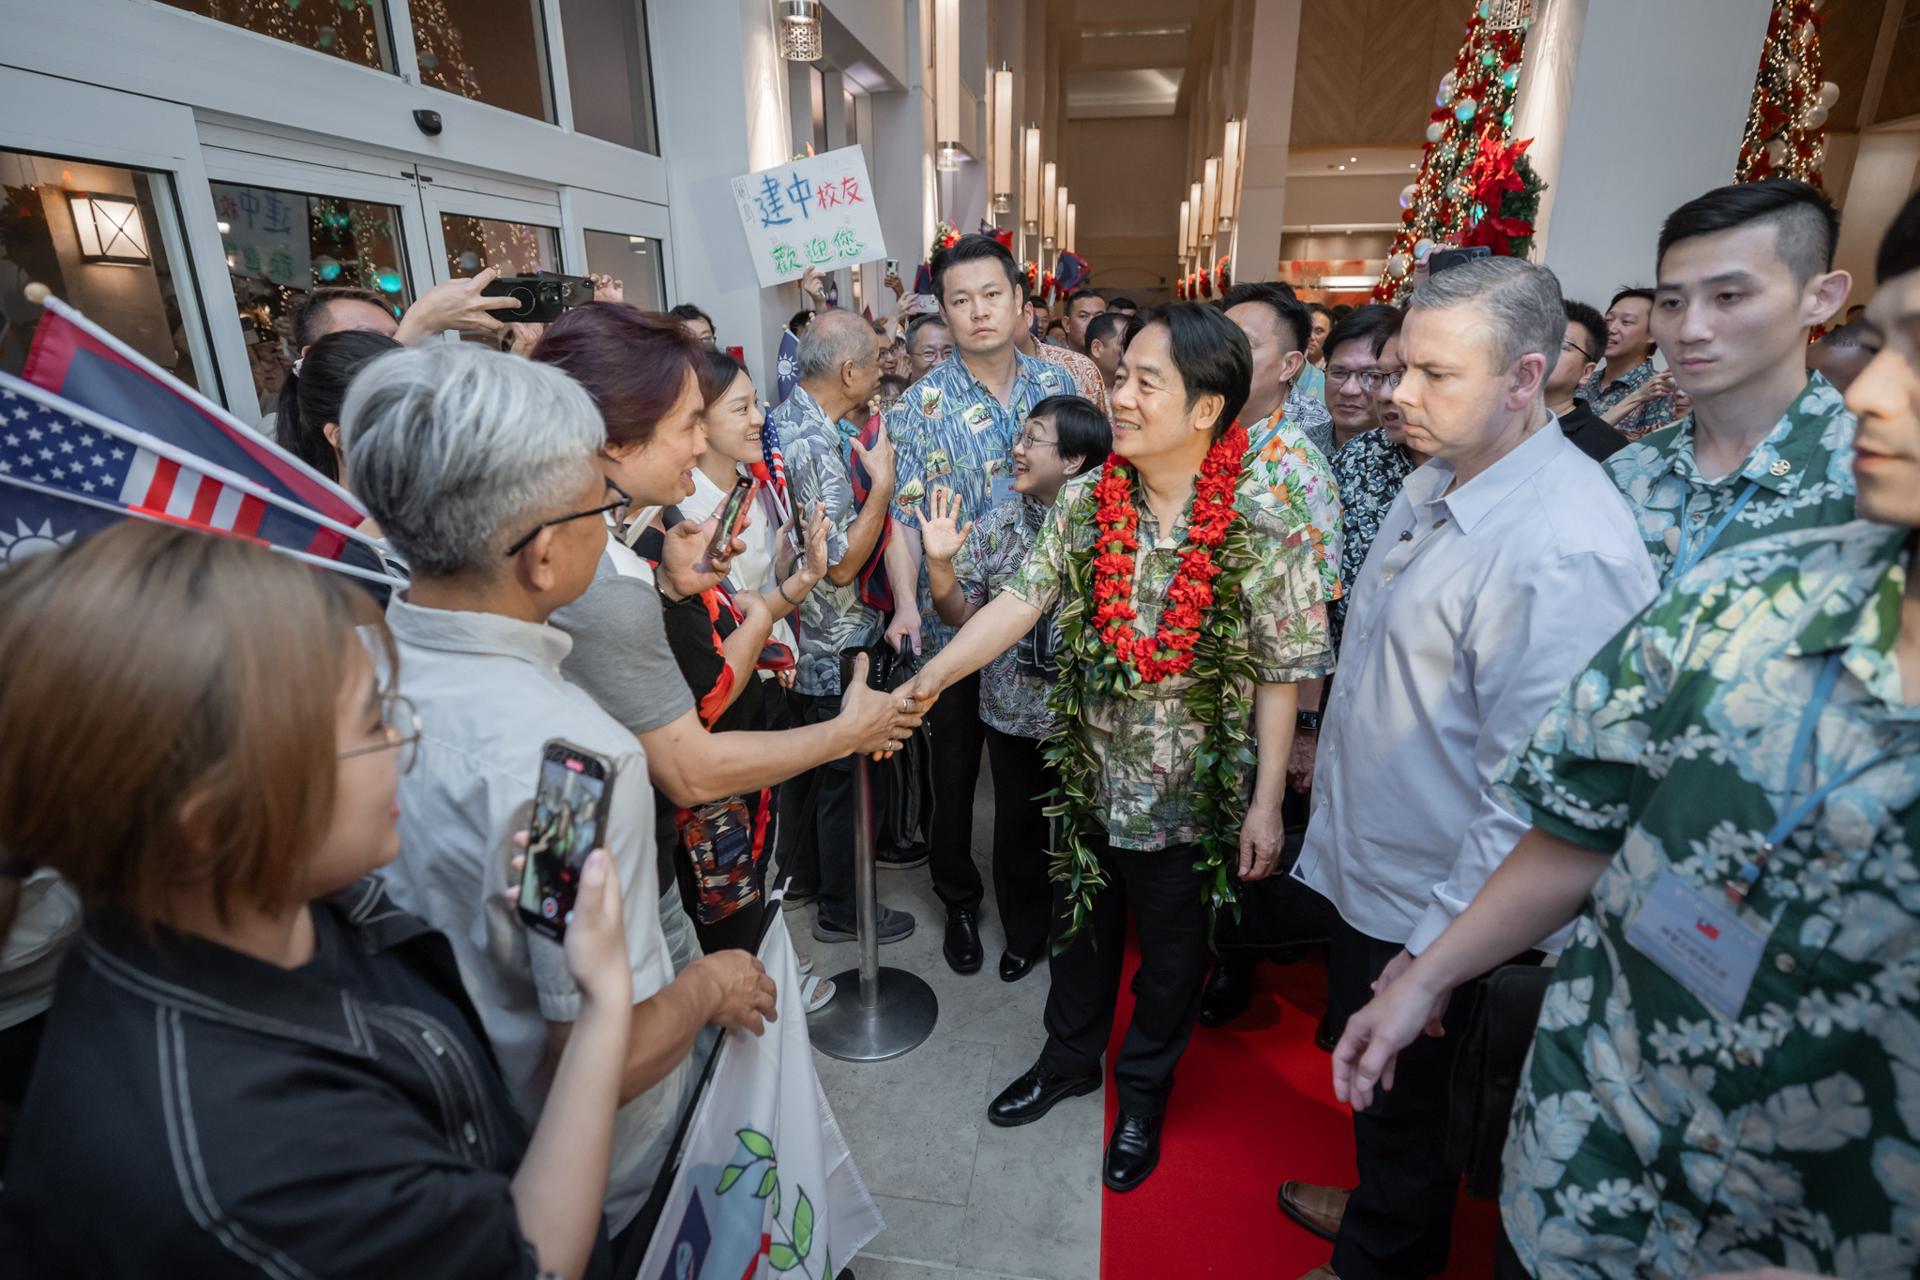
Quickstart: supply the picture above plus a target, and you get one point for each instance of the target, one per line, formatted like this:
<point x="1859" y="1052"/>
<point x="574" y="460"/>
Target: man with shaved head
<point x="1744" y="274"/>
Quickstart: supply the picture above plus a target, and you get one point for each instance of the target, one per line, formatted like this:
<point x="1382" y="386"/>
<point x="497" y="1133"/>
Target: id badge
<point x="1700" y="941"/>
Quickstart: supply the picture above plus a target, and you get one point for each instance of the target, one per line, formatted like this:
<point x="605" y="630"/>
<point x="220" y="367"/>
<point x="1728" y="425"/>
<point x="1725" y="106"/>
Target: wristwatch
<point x="1307" y="720"/>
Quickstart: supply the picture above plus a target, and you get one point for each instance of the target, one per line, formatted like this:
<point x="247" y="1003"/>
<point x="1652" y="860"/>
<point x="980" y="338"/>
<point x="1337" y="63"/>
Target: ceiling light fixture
<point x="800" y="30"/>
<point x="946" y="82"/>
<point x="1002" y="107"/>
<point x="1030" y="180"/>
<point x="1229" y="174"/>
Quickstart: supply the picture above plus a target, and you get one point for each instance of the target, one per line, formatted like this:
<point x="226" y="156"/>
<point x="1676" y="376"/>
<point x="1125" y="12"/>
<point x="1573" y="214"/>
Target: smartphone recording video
<point x="569" y="820"/>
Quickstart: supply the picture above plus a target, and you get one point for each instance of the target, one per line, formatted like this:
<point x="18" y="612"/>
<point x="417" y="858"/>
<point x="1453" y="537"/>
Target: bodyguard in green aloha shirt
<point x="1767" y="447"/>
<point x="1726" y="1074"/>
<point x="1187" y="620"/>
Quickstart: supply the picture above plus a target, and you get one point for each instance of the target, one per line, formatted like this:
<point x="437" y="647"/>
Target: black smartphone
<point x="1442" y="259"/>
<point x="730" y="512"/>
<point x="542" y="297"/>
<point x="569" y="822"/>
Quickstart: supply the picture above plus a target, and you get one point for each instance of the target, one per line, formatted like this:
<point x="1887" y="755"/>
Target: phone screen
<point x="568" y="808"/>
<point x="730" y="513"/>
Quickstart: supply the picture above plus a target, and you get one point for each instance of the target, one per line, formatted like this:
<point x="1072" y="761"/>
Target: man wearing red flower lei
<point x="1188" y="618"/>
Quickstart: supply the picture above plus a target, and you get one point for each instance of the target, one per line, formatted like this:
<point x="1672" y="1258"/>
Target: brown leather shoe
<point x="1318" y="1209"/>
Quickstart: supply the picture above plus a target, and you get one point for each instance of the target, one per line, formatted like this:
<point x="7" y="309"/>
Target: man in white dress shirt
<point x="1497" y="573"/>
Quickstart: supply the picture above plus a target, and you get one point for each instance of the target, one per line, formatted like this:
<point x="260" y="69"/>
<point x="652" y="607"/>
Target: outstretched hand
<point x="941" y="534"/>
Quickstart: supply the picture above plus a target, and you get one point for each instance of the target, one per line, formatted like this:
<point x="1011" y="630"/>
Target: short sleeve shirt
<point x="830" y="617"/>
<point x="1014" y="686"/>
<point x="1297" y="477"/>
<point x="1604" y="395"/>
<point x="1654" y="1136"/>
<point x="1801" y="476"/>
<point x="1088" y="384"/>
<point x="1369" y="473"/>
<point x="1146" y="743"/>
<point x="950" y="430"/>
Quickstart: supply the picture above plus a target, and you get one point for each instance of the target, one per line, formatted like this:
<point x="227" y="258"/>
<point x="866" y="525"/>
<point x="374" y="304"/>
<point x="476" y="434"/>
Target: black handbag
<point x="1486" y="1075"/>
<point x="903" y="782"/>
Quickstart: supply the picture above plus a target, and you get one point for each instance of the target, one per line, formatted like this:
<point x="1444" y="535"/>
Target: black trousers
<point x="1399" y="1222"/>
<point x="1021" y="840"/>
<point x="1162" y="890"/>
<point x="957" y="734"/>
<point x="815" y="838"/>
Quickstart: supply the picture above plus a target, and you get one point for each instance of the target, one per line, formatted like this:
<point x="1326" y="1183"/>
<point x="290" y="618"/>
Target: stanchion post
<point x="866" y="895"/>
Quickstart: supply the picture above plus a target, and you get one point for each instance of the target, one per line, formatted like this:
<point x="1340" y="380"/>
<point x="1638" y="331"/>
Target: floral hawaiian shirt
<point x="1603" y="395"/>
<point x="1801" y="475"/>
<point x="1309" y="413"/>
<point x="1369" y="473"/>
<point x="830" y="618"/>
<point x="1295" y="472"/>
<point x="1087" y="382"/>
<point x="1146" y="742"/>
<point x="950" y="430"/>
<point x="1014" y="686"/>
<point x="1654" y="1136"/>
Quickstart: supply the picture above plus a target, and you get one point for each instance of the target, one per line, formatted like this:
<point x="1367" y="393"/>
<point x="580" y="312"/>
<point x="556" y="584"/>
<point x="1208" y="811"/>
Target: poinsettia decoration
<point x="945" y="236"/>
<point x="1206" y="282"/>
<point x="1180" y="289"/>
<point x="1223" y="274"/>
<point x="1503" y="195"/>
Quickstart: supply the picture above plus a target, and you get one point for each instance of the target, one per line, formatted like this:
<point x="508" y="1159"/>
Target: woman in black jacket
<point x="255" y="1064"/>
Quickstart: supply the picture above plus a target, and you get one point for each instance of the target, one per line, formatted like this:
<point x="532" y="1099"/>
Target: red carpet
<point x="1253" y="1106"/>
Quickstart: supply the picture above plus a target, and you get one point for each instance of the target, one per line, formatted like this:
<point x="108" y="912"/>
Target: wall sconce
<point x="110" y="229"/>
<point x="1210" y="199"/>
<point x="946" y="83"/>
<point x="1049" y="178"/>
<point x="1229" y="174"/>
<point x="1003" y="139"/>
<point x="800" y="30"/>
<point x="1030" y="180"/>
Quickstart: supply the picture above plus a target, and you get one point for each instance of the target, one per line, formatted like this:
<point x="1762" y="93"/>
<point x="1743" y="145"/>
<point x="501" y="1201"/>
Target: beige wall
<point x="1127" y="183"/>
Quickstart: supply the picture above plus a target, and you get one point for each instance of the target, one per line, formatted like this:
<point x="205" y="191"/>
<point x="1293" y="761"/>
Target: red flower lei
<point x="1169" y="651"/>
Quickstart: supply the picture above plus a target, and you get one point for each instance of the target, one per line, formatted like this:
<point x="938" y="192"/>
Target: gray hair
<point x="455" y="450"/>
<point x="835" y="338"/>
<point x="1520" y="301"/>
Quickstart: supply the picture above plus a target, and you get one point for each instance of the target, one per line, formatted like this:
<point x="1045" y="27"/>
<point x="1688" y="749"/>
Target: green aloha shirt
<point x="1803" y="473"/>
<point x="1296" y="473"/>
<point x="1146" y="742"/>
<point x="1653" y="1136"/>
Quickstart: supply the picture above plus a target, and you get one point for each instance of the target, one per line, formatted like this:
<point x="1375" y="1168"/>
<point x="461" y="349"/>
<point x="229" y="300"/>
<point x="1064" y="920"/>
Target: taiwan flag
<point x="87" y="366"/>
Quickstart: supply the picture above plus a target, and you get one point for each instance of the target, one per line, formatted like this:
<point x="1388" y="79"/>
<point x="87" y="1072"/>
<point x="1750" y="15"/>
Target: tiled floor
<point x="964" y="1200"/>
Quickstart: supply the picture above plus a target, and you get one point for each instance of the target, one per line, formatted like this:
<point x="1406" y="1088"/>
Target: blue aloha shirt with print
<point x="1653" y="1136"/>
<point x="1802" y="473"/>
<point x="949" y="430"/>
<point x="830" y="617"/>
<point x="1014" y="686"/>
<point x="1602" y="395"/>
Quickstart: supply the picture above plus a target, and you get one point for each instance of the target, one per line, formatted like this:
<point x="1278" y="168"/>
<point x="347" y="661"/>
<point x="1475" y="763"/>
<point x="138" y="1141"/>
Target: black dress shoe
<point x="1229" y="992"/>
<point x="963" y="941"/>
<point x="1034" y="1094"/>
<point x="1132" y="1152"/>
<point x="1013" y="967"/>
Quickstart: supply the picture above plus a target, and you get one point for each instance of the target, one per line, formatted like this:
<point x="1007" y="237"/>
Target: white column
<point x="1638" y="108"/>
<point x="720" y="86"/>
<point x="1263" y="184"/>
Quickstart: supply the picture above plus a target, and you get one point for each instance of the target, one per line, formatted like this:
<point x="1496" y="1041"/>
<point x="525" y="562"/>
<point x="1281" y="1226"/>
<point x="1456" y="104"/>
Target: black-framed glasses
<point x="620" y="500"/>
<point x="1568" y="344"/>
<point x="399" y="732"/>
<point x="1367" y="378"/>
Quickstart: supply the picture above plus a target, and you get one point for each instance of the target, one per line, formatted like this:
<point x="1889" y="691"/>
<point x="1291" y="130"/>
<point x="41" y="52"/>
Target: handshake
<point x="876" y="721"/>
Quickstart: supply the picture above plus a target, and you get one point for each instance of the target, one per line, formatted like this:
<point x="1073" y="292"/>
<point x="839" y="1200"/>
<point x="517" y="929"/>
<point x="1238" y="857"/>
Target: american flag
<point x="47" y="442"/>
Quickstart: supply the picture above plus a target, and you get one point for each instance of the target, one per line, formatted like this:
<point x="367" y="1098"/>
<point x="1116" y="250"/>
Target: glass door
<point x="625" y="239"/>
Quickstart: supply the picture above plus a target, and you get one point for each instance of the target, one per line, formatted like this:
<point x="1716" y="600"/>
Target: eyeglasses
<point x="1369" y="379"/>
<point x="620" y="500"/>
<point x="399" y="732"/>
<point x="1568" y="344"/>
<point x="1028" y="440"/>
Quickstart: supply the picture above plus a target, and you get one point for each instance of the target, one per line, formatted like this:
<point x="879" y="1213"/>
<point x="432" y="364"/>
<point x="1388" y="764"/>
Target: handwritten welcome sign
<point x="817" y="212"/>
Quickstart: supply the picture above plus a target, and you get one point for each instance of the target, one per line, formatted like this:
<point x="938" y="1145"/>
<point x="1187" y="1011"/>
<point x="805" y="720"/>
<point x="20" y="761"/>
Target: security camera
<point x="429" y="122"/>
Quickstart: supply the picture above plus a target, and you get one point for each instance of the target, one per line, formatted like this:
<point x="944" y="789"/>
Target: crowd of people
<point x="1455" y="634"/>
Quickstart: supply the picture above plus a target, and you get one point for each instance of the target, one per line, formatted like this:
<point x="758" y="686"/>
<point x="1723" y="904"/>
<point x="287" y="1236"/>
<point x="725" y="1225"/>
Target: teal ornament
<point x="1506" y="120"/>
<point x="428" y="61"/>
<point x="1510" y="77"/>
<point x="1465" y="109"/>
<point x="326" y="37"/>
<point x="1486" y="58"/>
<point x="389" y="281"/>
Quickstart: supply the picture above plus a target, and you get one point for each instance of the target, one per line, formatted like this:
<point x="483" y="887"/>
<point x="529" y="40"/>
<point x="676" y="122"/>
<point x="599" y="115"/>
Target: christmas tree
<point x="1472" y="109"/>
<point x="1786" y="135"/>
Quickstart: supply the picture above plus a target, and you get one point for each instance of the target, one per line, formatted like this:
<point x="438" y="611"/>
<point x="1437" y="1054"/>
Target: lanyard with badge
<point x="1681" y="560"/>
<point x="1711" y="944"/>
